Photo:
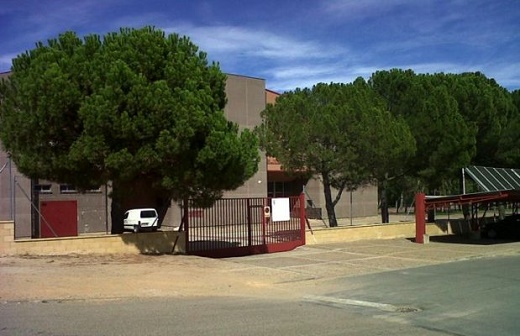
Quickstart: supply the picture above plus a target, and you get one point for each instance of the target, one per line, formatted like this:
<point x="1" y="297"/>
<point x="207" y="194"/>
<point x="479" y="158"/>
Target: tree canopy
<point x="340" y="132"/>
<point x="445" y="142"/>
<point x="508" y="153"/>
<point x="138" y="108"/>
<point x="457" y="120"/>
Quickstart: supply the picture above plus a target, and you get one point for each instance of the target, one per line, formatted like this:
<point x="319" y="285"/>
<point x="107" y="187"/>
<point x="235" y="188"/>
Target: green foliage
<point x="486" y="107"/>
<point x="515" y="96"/>
<point x="340" y="132"/>
<point x="508" y="153"/>
<point x="445" y="143"/>
<point x="132" y="105"/>
<point x="457" y="120"/>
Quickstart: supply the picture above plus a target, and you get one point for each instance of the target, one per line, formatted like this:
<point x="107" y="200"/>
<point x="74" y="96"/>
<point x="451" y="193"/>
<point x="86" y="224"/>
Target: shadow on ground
<point x="456" y="239"/>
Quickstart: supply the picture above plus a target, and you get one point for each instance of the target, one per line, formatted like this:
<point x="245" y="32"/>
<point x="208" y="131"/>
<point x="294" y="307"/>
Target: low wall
<point x="363" y="232"/>
<point x="162" y="242"/>
<point x="149" y="242"/>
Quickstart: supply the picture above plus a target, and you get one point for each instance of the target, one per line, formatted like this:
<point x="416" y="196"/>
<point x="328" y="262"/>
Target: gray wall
<point x="14" y="205"/>
<point x="246" y="99"/>
<point x="364" y="200"/>
<point x="93" y="208"/>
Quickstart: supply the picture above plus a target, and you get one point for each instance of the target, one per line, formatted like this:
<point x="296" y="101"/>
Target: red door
<point x="60" y="217"/>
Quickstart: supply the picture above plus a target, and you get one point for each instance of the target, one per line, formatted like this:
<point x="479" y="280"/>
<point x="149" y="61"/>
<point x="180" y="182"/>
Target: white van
<point x="139" y="219"/>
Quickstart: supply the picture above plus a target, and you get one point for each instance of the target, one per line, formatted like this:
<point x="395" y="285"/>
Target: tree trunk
<point x="385" y="217"/>
<point x="501" y="211"/>
<point x="116" y="212"/>
<point x="329" y="205"/>
<point x="431" y="216"/>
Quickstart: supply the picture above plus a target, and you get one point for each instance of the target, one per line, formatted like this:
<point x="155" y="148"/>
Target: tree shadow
<point x="459" y="232"/>
<point x="466" y="240"/>
<point x="454" y="239"/>
<point x="156" y="243"/>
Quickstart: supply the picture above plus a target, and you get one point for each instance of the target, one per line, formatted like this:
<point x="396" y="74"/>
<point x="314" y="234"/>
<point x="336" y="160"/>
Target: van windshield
<point x="148" y="214"/>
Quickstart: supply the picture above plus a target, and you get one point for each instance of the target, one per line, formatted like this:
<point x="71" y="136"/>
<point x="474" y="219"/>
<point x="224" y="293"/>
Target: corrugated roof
<point x="494" y="179"/>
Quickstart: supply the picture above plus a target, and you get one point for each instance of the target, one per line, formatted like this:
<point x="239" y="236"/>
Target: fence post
<point x="249" y="224"/>
<point x="264" y="222"/>
<point x="185" y="216"/>
<point x="420" y="223"/>
<point x="302" y="217"/>
<point x="11" y="189"/>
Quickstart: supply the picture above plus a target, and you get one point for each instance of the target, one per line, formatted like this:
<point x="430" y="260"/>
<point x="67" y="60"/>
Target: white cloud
<point x="248" y="42"/>
<point x="5" y="62"/>
<point x="285" y="61"/>
<point x="303" y="71"/>
<point x="507" y="75"/>
<point x="291" y="76"/>
<point x="359" y="9"/>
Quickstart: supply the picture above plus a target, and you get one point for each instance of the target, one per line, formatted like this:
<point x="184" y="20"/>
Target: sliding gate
<point x="244" y="226"/>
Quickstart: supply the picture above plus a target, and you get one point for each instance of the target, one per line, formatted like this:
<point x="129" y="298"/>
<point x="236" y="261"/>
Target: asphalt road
<point x="470" y="297"/>
<point x="195" y="316"/>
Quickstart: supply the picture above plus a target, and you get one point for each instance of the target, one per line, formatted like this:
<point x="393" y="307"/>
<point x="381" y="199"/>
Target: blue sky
<point x="297" y="43"/>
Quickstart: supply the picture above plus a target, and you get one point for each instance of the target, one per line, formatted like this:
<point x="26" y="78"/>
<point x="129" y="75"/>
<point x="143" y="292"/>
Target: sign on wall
<point x="281" y="209"/>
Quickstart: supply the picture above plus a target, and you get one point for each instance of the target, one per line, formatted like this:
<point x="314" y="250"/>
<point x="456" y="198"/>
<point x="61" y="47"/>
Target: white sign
<point x="281" y="210"/>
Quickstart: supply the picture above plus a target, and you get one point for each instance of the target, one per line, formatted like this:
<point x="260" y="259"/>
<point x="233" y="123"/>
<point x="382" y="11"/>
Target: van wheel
<point x="136" y="228"/>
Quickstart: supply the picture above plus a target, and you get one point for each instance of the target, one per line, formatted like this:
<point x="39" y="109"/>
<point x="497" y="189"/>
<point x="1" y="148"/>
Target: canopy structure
<point x="494" y="179"/>
<point x="496" y="185"/>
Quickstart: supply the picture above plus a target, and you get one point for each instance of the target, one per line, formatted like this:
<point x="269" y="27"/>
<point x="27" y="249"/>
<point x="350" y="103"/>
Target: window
<point x="148" y="214"/>
<point x="67" y="189"/>
<point x="43" y="188"/>
<point x="284" y="189"/>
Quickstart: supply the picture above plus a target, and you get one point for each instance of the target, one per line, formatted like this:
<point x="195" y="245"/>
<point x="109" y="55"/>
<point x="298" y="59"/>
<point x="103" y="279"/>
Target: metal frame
<point x="424" y="203"/>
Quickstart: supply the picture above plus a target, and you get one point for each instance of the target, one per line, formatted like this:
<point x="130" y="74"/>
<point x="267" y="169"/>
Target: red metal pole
<point x="264" y="241"/>
<point x="249" y="223"/>
<point x="302" y="217"/>
<point x="420" y="223"/>
<point x="185" y="217"/>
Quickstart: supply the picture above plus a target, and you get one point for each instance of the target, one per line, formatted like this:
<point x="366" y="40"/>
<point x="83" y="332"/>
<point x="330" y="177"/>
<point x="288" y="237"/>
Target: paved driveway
<point x="328" y="261"/>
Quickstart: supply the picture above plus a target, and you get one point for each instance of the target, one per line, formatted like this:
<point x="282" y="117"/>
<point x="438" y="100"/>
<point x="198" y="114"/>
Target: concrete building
<point x="61" y="210"/>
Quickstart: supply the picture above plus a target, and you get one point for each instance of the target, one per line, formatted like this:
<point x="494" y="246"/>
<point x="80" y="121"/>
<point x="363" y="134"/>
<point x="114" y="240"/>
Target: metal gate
<point x="244" y="226"/>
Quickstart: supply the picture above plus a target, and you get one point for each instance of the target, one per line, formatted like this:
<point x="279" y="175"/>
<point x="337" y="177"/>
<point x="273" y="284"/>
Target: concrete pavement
<point x="328" y="261"/>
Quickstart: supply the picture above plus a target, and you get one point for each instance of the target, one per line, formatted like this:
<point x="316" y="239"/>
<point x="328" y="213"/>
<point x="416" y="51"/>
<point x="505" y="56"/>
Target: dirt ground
<point x="290" y="274"/>
<point x="75" y="277"/>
